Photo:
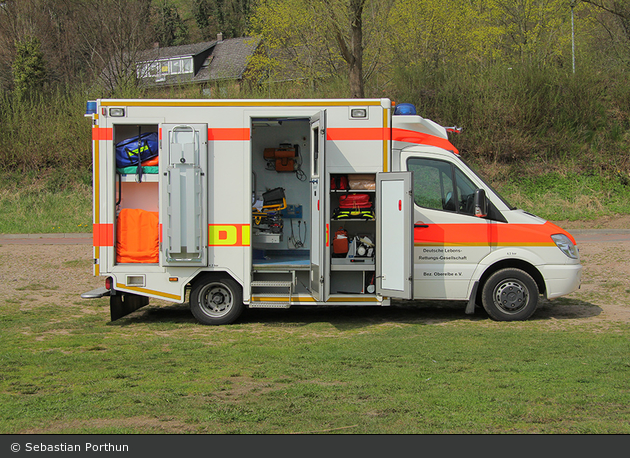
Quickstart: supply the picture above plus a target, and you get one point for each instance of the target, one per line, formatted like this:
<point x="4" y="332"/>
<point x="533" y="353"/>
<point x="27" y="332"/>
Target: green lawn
<point x="404" y="369"/>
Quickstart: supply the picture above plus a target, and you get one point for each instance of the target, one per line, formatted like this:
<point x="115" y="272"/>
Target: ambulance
<point x="239" y="204"/>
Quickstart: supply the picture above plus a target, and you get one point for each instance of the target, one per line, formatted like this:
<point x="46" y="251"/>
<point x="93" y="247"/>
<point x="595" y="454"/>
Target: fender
<point x="505" y="255"/>
<point x="168" y="294"/>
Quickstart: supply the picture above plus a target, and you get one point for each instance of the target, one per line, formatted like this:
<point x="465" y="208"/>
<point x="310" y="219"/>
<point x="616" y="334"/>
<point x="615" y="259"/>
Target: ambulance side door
<point x="319" y="233"/>
<point x="394" y="236"/>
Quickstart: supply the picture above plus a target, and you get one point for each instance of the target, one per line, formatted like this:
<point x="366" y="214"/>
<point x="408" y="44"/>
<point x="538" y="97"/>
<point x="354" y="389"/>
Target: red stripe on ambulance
<point x="103" y="234"/>
<point x="102" y="133"/>
<point x="228" y="134"/>
<point x="493" y="234"/>
<point x="410" y="136"/>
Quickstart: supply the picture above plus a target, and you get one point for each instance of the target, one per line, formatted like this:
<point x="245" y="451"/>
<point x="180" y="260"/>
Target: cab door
<point x="449" y="240"/>
<point x="319" y="233"/>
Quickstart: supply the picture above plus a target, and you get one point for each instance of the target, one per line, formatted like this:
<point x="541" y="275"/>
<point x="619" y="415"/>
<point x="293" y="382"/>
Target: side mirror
<point x="481" y="204"/>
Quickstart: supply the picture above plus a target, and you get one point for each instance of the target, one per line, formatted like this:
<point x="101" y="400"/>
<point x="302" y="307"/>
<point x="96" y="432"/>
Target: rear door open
<point x="183" y="202"/>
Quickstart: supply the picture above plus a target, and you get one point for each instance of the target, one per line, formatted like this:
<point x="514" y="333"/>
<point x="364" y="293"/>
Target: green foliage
<point x="170" y="29"/>
<point x="45" y="131"/>
<point x="570" y="196"/>
<point x="230" y="17"/>
<point x="51" y="201"/>
<point x="29" y="68"/>
<point x="499" y="68"/>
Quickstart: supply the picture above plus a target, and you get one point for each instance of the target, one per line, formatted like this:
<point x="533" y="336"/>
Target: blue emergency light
<point x="405" y="109"/>
<point x="91" y="108"/>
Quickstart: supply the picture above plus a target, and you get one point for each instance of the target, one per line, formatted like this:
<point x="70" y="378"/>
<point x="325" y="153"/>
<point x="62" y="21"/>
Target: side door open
<point x="319" y="233"/>
<point x="183" y="203"/>
<point x="394" y="235"/>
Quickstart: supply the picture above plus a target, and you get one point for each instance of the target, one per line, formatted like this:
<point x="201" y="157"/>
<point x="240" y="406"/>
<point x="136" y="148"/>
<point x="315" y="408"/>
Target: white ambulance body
<point x="200" y="228"/>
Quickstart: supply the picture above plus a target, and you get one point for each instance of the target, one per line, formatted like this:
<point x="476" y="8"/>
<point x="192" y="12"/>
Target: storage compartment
<point x="352" y="214"/>
<point x="352" y="282"/>
<point x="362" y="182"/>
<point x="136" y="196"/>
<point x="137" y="239"/>
<point x="280" y="200"/>
<point x="129" y="150"/>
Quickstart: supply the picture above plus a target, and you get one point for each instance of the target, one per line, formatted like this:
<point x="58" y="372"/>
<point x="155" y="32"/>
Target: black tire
<point x="510" y="295"/>
<point x="215" y="301"/>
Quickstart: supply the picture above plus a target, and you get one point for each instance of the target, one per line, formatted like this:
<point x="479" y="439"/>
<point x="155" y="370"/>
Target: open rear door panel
<point x="394" y="246"/>
<point x="183" y="203"/>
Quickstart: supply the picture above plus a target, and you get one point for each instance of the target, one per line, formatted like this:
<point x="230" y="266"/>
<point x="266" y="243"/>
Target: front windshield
<point x="485" y="182"/>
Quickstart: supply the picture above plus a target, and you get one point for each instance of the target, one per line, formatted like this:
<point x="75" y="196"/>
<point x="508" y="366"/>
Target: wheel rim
<point x="511" y="296"/>
<point x="216" y="300"/>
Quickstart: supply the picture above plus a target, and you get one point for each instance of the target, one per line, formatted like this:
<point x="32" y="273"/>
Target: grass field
<point x="412" y="368"/>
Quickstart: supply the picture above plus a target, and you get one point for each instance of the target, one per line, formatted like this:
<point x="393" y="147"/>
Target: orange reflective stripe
<point x="123" y="287"/>
<point x="384" y="133"/>
<point x="234" y="134"/>
<point x="102" y="133"/>
<point x="357" y="133"/>
<point x="490" y="234"/>
<point x="103" y="235"/>
<point x="410" y="136"/>
<point x="228" y="235"/>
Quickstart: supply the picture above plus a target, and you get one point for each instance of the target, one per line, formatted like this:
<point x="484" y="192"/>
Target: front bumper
<point x="561" y="280"/>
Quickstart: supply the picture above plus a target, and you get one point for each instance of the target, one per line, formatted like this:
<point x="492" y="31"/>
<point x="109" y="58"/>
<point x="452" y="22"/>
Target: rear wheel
<point x="216" y="300"/>
<point x="510" y="295"/>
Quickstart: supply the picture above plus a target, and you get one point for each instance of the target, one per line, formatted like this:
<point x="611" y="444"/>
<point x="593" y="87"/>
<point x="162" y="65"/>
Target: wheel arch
<point x="213" y="275"/>
<point x="516" y="264"/>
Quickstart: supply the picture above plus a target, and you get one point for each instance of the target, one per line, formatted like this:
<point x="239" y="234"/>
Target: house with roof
<point x="206" y="64"/>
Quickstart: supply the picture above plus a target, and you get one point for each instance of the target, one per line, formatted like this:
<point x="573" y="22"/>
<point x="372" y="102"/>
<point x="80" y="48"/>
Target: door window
<point x="440" y="185"/>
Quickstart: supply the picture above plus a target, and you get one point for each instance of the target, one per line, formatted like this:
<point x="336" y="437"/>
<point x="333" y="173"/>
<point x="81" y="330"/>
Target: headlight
<point x="566" y="245"/>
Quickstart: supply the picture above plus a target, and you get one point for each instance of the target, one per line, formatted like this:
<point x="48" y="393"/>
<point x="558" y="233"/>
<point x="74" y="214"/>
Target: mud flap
<point x="470" y="307"/>
<point x="121" y="305"/>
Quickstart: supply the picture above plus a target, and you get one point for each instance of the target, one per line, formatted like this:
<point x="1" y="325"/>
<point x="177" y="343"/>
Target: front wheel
<point x="510" y="295"/>
<point x="216" y="300"/>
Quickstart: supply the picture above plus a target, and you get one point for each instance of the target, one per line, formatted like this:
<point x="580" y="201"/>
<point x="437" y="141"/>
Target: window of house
<point x="187" y="65"/>
<point x="176" y="66"/>
<point x="165" y="67"/>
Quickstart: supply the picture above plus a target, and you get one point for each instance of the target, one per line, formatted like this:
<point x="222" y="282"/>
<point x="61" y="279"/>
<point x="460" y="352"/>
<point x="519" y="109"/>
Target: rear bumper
<point x="96" y="293"/>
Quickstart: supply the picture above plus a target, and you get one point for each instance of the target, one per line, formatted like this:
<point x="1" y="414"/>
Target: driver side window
<point x="465" y="192"/>
<point x="440" y="186"/>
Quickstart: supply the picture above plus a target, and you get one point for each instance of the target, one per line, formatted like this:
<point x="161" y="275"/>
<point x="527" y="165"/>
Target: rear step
<point x="284" y="303"/>
<point x="276" y="300"/>
<point x="272" y="284"/>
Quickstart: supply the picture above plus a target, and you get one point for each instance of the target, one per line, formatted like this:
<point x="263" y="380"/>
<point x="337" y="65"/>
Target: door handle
<point x="420" y="225"/>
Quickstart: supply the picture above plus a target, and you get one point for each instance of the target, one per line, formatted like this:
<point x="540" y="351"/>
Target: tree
<point x="347" y="26"/>
<point x="29" y="68"/>
<point x="320" y="36"/>
<point x="614" y="17"/>
<point x="170" y="29"/>
<point x="230" y="17"/>
<point x="113" y="34"/>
